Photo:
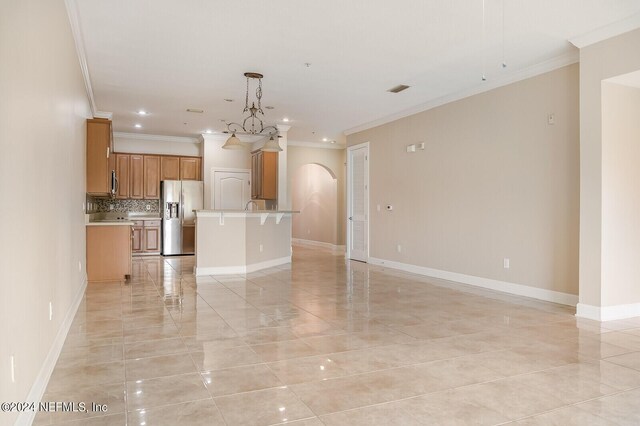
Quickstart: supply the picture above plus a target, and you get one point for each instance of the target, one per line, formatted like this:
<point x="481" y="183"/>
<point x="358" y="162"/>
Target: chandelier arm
<point x="239" y="128"/>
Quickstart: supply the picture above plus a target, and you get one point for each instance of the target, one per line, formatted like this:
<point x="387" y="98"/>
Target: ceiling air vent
<point x="399" y="88"/>
<point x="196" y="110"/>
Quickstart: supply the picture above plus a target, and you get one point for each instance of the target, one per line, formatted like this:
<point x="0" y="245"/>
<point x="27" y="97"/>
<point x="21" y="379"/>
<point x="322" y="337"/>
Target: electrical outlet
<point x="50" y="311"/>
<point x="378" y="207"/>
<point x="505" y="263"/>
<point x="399" y="248"/>
<point x="111" y="206"/>
<point x="261" y="248"/>
<point x="551" y="118"/>
<point x="79" y="266"/>
<point x="148" y="207"/>
<point x="83" y="206"/>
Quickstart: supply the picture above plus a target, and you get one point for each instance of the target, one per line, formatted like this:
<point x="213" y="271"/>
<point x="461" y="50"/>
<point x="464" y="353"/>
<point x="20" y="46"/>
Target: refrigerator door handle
<point x="181" y="207"/>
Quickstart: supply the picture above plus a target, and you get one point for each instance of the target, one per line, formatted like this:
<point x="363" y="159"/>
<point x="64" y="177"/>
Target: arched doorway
<point x="315" y="195"/>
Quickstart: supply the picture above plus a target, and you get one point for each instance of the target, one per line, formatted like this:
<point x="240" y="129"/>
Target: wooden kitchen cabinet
<point x="264" y="175"/>
<point x="122" y="174"/>
<point x="151" y="177"/>
<point x="170" y="168"/>
<point x="99" y="156"/>
<point x="136" y="237"/>
<point x="190" y="168"/>
<point x="147" y="238"/>
<point x="136" y="176"/>
<point x="152" y="239"/>
<point x="108" y="253"/>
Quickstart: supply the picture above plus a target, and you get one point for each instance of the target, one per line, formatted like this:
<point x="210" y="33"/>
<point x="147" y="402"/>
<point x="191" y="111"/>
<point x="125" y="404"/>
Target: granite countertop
<point x="110" y="223"/>
<point x="112" y="218"/>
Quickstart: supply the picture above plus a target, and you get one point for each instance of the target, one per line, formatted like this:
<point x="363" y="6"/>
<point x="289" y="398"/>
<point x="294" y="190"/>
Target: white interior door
<point x="358" y="202"/>
<point x="231" y="190"/>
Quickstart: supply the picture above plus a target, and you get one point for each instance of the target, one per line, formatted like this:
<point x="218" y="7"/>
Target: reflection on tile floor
<point x="325" y="341"/>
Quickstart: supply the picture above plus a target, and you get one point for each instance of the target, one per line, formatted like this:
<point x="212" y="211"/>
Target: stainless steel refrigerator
<point x="179" y="200"/>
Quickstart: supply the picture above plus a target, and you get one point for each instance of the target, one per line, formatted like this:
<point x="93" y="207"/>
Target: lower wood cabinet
<point x="108" y="253"/>
<point x="147" y="237"/>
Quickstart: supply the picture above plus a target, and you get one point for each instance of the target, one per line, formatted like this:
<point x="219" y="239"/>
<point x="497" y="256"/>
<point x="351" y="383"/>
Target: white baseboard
<point x="242" y="269"/>
<point x="502" y="286"/>
<point x="608" y="313"/>
<point x="317" y="244"/>
<point x="42" y="379"/>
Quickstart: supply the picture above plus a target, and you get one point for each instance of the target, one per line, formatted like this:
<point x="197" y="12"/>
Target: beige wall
<point x="332" y="159"/>
<point x="314" y="194"/>
<point x="609" y="58"/>
<point x="42" y="162"/>
<point x="620" y="194"/>
<point x="154" y="146"/>
<point x="495" y="181"/>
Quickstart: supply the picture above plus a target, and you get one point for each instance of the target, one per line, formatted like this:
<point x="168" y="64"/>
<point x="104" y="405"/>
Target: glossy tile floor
<point x="324" y="341"/>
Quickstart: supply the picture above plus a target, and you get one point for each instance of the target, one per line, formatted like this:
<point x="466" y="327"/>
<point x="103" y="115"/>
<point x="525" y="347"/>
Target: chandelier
<point x="252" y="123"/>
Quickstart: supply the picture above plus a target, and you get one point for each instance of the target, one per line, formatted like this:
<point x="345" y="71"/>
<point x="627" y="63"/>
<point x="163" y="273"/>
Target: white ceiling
<point x="165" y="56"/>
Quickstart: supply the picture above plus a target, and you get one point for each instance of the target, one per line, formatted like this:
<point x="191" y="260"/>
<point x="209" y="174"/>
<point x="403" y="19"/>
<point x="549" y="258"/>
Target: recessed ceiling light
<point x="142" y="112"/>
<point x="208" y="131"/>
<point x="324" y="139"/>
<point x="286" y="120"/>
<point x="138" y="126"/>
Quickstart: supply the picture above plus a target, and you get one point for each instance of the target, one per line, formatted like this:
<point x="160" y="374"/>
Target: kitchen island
<point x="239" y="241"/>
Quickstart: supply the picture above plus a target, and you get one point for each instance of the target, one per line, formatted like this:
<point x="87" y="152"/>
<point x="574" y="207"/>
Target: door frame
<point x="225" y="170"/>
<point x="350" y="195"/>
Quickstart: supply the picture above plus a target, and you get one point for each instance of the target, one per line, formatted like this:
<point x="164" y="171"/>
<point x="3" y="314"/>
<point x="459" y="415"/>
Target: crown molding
<point x="316" y="145"/>
<point x="532" y="71"/>
<point x="217" y="137"/>
<point x="76" y="31"/>
<point x="103" y="114"/>
<point x="162" y="138"/>
<point x="607" y="31"/>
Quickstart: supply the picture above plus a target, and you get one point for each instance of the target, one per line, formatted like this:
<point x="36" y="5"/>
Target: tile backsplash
<point x="105" y="205"/>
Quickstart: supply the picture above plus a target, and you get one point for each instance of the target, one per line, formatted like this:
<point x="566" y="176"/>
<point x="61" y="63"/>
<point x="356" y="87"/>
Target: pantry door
<point x="231" y="189"/>
<point x="358" y="202"/>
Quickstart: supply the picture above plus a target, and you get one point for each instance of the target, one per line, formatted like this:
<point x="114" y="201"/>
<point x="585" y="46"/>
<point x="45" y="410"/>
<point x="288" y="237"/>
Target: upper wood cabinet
<point x="122" y="174"/>
<point x="151" y="177"/>
<point x="264" y="175"/>
<point x="139" y="175"/>
<point x="99" y="156"/>
<point x="170" y="168"/>
<point x="136" y="176"/>
<point x="190" y="168"/>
